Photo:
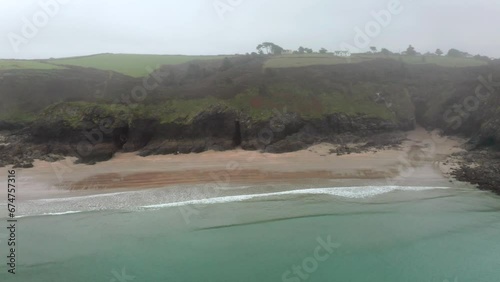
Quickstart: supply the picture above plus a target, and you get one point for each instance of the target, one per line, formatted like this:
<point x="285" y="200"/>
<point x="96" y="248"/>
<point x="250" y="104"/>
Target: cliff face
<point x="97" y="134"/>
<point x="225" y="104"/>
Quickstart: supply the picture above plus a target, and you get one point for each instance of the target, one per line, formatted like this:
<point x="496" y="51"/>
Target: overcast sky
<point x="82" y="27"/>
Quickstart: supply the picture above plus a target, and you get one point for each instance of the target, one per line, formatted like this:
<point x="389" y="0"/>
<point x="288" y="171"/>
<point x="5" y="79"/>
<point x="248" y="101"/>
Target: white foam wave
<point x="127" y="200"/>
<point x="51" y="213"/>
<point x="358" y="192"/>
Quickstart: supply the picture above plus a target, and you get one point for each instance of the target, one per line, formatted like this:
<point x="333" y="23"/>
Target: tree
<point x="439" y="52"/>
<point x="411" y="51"/>
<point x="276" y="50"/>
<point x="323" y="51"/>
<point x="301" y="50"/>
<point x="386" y="52"/>
<point x="270" y="48"/>
<point x="374" y="49"/>
<point x="259" y="48"/>
<point x="482" y="58"/>
<point x="308" y="50"/>
<point x="265" y="46"/>
<point x="456" y="53"/>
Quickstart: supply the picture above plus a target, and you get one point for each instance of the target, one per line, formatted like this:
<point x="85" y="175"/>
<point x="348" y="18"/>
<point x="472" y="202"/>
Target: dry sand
<point x="419" y="161"/>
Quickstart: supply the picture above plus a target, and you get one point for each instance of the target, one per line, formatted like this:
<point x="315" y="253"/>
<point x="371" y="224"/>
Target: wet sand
<point x="419" y="160"/>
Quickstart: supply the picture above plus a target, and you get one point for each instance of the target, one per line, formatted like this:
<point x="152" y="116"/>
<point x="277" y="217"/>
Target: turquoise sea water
<point x="416" y="235"/>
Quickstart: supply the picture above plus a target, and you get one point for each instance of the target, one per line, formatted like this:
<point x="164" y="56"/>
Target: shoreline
<point x="421" y="157"/>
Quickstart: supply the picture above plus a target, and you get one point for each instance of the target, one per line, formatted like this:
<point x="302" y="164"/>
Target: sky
<point x="38" y="29"/>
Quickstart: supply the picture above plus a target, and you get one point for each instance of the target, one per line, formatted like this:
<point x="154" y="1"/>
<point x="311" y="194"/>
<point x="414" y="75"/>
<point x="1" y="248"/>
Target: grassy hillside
<point x="25" y="92"/>
<point x="279" y="98"/>
<point x="256" y="86"/>
<point x="308" y="103"/>
<point x="128" y="64"/>
<point x="26" y="64"/>
<point x="135" y="65"/>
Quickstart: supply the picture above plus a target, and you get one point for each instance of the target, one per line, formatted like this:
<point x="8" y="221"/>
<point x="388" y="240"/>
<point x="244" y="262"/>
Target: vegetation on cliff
<point x="395" y="88"/>
<point x="254" y="103"/>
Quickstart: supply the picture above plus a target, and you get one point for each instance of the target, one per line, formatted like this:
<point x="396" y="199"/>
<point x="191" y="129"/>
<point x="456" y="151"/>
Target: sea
<point x="447" y="233"/>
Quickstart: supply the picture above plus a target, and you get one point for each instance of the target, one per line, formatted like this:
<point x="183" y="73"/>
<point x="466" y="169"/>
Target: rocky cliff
<point x="220" y="105"/>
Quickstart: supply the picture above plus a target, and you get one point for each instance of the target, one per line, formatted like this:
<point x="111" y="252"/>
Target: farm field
<point x="26" y="64"/>
<point x="128" y="64"/>
<point x="138" y="65"/>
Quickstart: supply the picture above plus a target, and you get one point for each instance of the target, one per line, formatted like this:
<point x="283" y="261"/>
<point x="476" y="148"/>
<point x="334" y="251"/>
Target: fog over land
<point x="249" y="140"/>
<point x="82" y="27"/>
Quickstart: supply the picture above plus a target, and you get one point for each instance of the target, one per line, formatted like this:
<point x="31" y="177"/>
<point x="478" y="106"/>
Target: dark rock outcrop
<point x="481" y="168"/>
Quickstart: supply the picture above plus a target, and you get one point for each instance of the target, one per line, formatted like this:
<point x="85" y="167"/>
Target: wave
<point x="50" y="213"/>
<point x="121" y="203"/>
<point x="357" y="192"/>
<point x="104" y="195"/>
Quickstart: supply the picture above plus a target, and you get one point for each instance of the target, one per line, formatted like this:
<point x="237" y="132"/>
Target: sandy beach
<point x="420" y="160"/>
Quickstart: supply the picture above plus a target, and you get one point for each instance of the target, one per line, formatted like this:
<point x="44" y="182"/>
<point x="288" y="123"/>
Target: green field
<point x="128" y="64"/>
<point x="26" y="64"/>
<point x="302" y="60"/>
<point x="138" y="65"/>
